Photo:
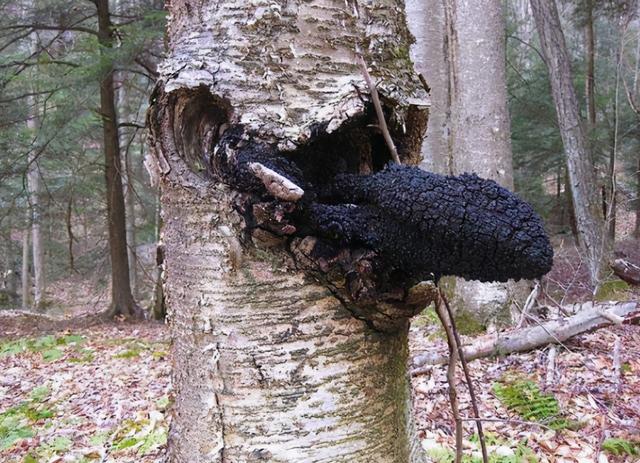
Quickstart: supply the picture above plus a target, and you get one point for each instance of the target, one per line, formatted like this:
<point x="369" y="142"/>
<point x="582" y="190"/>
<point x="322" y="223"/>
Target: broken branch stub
<point x="279" y="186"/>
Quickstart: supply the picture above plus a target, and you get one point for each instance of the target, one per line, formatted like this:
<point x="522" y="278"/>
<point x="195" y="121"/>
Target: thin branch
<point x="378" y="107"/>
<point x="131" y="124"/>
<point x="524" y="42"/>
<point x="465" y="369"/>
<point x="451" y="377"/>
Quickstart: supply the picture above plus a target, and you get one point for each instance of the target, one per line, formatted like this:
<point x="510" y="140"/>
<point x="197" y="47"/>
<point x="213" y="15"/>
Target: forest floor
<point x="96" y="395"/>
<point x="101" y="394"/>
<point x="579" y="412"/>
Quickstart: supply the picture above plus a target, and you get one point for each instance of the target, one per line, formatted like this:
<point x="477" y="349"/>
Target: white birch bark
<point x="37" y="213"/>
<point x="268" y="364"/>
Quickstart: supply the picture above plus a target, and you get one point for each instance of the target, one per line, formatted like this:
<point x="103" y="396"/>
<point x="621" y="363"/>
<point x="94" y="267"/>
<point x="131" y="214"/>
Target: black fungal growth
<point x="431" y="225"/>
<point x="388" y="230"/>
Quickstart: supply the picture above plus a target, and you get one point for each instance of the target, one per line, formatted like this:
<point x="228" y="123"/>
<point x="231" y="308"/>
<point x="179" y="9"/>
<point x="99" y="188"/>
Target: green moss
<point x="468" y="324"/>
<point x="18" y="422"/>
<point x="612" y="290"/>
<point x="51" y="347"/>
<point x="621" y="447"/>
<point x="427" y="317"/>
<point x="524" y="397"/>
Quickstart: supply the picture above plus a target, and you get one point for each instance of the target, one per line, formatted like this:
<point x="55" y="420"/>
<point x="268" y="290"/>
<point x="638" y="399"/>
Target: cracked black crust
<point x="428" y="224"/>
<point x="373" y="237"/>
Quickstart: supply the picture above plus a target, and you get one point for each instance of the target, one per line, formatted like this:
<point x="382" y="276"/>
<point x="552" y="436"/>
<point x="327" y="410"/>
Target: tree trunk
<point x="122" y="302"/>
<point x="70" y="237"/>
<point x="589" y="83"/>
<point x="270" y="364"/>
<point x="130" y="216"/>
<point x="430" y="55"/>
<point x="636" y="232"/>
<point x="10" y="283"/>
<point x="35" y="201"/>
<point x="590" y="224"/>
<point x="26" y="280"/>
<point x="480" y="135"/>
<point x="158" y="305"/>
<point x="127" y="178"/>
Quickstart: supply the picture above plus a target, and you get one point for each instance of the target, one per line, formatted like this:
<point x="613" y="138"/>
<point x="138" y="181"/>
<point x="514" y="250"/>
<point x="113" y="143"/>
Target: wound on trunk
<point x="370" y="231"/>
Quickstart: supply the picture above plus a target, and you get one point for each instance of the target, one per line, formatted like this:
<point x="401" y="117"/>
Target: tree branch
<point x="589" y="317"/>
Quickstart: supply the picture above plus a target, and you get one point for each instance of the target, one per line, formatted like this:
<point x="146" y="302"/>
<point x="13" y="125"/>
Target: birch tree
<point x="269" y="364"/>
<point x="295" y="249"/>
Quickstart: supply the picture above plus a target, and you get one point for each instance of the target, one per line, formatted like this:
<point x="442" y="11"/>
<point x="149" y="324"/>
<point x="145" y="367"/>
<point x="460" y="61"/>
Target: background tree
<point x="464" y="136"/>
<point x="589" y="219"/>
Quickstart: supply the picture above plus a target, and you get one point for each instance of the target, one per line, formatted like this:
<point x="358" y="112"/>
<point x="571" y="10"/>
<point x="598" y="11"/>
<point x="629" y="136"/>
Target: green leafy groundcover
<point x="17" y="422"/>
<point x="621" y="447"/>
<point x="51" y="347"/>
<point x="524" y="397"/>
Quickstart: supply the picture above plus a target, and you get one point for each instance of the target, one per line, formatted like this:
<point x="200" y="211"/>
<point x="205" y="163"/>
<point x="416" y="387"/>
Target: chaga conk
<point x="413" y="225"/>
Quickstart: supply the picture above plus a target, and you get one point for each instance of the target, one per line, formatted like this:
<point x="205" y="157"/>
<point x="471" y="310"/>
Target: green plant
<point x="620" y="447"/>
<point x="524" y="397"/>
<point x="16" y="423"/>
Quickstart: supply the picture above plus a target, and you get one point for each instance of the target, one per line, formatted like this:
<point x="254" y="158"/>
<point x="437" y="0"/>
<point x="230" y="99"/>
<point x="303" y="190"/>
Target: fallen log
<point x="590" y="317"/>
<point x="626" y="271"/>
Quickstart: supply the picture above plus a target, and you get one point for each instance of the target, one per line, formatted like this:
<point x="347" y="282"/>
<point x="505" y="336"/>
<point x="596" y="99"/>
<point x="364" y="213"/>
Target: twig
<point x="467" y="375"/>
<point x="451" y="378"/>
<point x="378" y="107"/>
<point x="528" y="304"/>
<point x="617" y="362"/>
<point x="551" y="365"/>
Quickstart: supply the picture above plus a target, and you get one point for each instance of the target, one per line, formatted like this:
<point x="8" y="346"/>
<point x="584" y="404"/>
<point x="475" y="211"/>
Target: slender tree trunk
<point x="589" y="83"/>
<point x="159" y="308"/>
<point x="127" y="179"/>
<point x="26" y="280"/>
<point x="636" y="232"/>
<point x="37" y="214"/>
<point x="10" y="274"/>
<point x="129" y="202"/>
<point x="70" y="236"/>
<point x="122" y="302"/>
<point x="583" y="184"/>
<point x="430" y="55"/>
<point x="270" y="365"/>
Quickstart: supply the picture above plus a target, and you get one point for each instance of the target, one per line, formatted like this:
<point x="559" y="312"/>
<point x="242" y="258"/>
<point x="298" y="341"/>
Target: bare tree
<point x="590" y="223"/>
<point x="122" y="302"/>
